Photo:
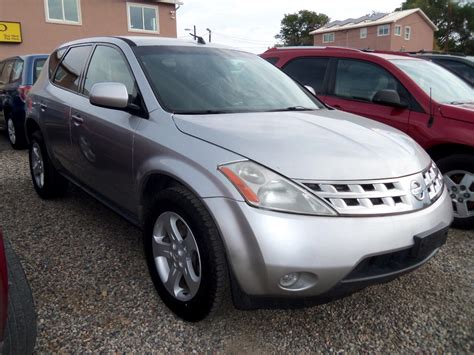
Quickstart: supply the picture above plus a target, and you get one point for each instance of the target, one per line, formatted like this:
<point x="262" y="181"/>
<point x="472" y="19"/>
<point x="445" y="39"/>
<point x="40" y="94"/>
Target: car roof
<point x="26" y="56"/>
<point x="146" y="41"/>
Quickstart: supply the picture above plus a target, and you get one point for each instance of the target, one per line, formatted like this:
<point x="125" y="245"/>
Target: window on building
<point x="328" y="37"/>
<point x="357" y="80"/>
<point x="308" y="71"/>
<point x="142" y="18"/>
<point x="363" y="32"/>
<point x="407" y="32"/>
<point x="398" y="30"/>
<point x="63" y="11"/>
<point x="69" y="71"/>
<point x="383" y="30"/>
<point x="108" y="65"/>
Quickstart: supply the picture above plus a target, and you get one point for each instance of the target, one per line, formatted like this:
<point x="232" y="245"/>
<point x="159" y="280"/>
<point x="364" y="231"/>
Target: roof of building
<point x="371" y="20"/>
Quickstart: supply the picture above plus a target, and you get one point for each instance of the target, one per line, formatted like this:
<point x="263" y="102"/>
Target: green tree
<point x="295" y="28"/>
<point x="454" y="19"/>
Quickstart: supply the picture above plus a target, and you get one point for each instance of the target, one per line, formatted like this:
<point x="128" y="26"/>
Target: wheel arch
<point x="443" y="150"/>
<point x="31" y="126"/>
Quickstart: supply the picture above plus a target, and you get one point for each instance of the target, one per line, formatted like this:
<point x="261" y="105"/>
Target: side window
<point x="54" y="60"/>
<point x="308" y="71"/>
<point x="69" y="71"/>
<point x="37" y="67"/>
<point x="461" y="69"/>
<point x="17" y="71"/>
<point x="108" y="65"/>
<point x="6" y="72"/>
<point x="272" y="60"/>
<point x="361" y="80"/>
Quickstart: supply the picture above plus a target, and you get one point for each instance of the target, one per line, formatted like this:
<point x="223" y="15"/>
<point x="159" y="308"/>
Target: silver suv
<point x="241" y="179"/>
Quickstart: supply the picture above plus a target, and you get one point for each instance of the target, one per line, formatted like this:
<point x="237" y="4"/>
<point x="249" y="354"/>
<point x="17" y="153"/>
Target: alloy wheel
<point x="37" y="164"/>
<point x="11" y="131"/>
<point x="460" y="185"/>
<point x="176" y="256"/>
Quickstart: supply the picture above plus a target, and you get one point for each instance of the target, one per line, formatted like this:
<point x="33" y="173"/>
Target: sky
<point x="252" y="24"/>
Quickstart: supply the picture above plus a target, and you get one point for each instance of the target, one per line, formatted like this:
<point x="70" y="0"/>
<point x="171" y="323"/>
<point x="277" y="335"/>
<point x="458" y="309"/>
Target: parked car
<point x="460" y="65"/>
<point x="17" y="312"/>
<point x="242" y="181"/>
<point x="422" y="99"/>
<point x="17" y="75"/>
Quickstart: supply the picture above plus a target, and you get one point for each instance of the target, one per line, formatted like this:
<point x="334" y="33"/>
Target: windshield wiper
<point x="203" y="112"/>
<point x="461" y="102"/>
<point x="293" y="108"/>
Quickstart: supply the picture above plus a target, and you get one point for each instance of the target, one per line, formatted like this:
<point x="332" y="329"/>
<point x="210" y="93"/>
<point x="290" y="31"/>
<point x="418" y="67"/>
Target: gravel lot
<point x="92" y="290"/>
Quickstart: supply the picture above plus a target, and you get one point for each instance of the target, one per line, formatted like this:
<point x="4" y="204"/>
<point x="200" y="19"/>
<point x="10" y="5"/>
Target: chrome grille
<point x="387" y="196"/>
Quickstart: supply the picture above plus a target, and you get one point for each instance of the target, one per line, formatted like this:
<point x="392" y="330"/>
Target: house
<point x="407" y="30"/>
<point x="39" y="26"/>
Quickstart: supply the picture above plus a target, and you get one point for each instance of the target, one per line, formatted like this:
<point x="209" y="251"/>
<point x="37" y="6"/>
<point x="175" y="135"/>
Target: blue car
<point x="17" y="76"/>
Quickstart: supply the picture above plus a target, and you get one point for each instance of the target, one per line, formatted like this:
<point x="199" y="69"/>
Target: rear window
<point x="69" y="70"/>
<point x="37" y="67"/>
<point x="17" y="71"/>
<point x="6" y="72"/>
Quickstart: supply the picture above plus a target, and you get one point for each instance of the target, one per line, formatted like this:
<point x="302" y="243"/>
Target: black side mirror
<point x="389" y="98"/>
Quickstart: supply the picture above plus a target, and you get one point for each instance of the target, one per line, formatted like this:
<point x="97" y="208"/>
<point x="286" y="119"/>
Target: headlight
<point x="263" y="188"/>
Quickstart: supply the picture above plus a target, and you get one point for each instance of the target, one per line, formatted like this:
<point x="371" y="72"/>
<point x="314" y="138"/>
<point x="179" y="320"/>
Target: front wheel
<point x="185" y="255"/>
<point x="458" y="171"/>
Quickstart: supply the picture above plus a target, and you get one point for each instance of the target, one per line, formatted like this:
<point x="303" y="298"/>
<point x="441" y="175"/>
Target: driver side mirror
<point x="389" y="98"/>
<point x="109" y="95"/>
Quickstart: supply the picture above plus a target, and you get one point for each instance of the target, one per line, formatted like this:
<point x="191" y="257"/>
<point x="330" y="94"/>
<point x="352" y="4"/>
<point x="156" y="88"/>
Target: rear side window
<point x="6" y="72"/>
<point x="17" y="71"/>
<point x="54" y="60"/>
<point x="361" y="80"/>
<point x="108" y="65"/>
<point x="37" y="67"/>
<point x="69" y="70"/>
<point x="308" y="71"/>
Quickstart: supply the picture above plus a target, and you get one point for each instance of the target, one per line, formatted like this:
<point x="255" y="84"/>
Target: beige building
<point x="39" y="26"/>
<point x="408" y="30"/>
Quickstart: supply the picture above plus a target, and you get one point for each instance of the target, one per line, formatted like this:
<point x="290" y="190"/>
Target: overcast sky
<point x="252" y="24"/>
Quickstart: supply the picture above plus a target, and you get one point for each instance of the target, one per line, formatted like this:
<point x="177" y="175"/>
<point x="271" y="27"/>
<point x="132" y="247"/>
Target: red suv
<point x="426" y="101"/>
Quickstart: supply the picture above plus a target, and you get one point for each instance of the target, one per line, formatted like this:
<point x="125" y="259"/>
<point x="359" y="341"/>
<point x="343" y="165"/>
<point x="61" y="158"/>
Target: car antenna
<point x="431" y="119"/>
<point x="199" y="39"/>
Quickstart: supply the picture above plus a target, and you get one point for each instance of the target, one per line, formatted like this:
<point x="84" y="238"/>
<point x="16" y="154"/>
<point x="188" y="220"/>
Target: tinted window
<point x="37" y="67"/>
<point x="17" y="71"/>
<point x="461" y="69"/>
<point x="54" y="60"/>
<point x="272" y="60"/>
<point x="108" y="65"/>
<point x="6" y="72"/>
<point x="308" y="71"/>
<point x="361" y="80"/>
<point x="2" y="64"/>
<point x="69" y="71"/>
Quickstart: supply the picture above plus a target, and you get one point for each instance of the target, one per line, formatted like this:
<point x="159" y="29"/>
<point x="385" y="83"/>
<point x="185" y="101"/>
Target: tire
<point x="50" y="184"/>
<point x="15" y="132"/>
<point x="20" y="331"/>
<point x="458" y="171"/>
<point x="192" y="220"/>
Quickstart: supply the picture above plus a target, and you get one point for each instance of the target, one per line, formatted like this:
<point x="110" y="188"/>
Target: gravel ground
<point x="92" y="291"/>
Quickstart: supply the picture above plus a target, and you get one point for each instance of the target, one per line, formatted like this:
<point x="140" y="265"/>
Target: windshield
<point x="190" y="80"/>
<point x="445" y="86"/>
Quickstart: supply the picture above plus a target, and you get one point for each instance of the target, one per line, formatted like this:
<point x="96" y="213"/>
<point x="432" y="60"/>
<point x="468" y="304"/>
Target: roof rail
<point x="314" y="47"/>
<point x="438" y="52"/>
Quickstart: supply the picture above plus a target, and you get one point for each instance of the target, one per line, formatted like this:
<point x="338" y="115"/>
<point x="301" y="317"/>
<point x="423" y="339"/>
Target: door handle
<point x="77" y="120"/>
<point x="43" y="107"/>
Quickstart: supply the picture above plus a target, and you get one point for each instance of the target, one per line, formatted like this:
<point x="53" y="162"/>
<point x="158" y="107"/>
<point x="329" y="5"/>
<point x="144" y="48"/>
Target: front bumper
<point x="262" y="246"/>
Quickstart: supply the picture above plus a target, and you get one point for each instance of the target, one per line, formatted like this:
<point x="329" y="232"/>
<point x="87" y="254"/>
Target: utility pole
<point x="210" y="32"/>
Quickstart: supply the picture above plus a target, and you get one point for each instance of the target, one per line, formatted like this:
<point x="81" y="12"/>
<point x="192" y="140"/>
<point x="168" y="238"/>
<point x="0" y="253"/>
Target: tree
<point x="454" y="19"/>
<point x="295" y="28"/>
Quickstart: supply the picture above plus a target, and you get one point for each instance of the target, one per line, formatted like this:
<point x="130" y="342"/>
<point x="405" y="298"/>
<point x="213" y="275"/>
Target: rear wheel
<point x="47" y="181"/>
<point x="185" y="255"/>
<point x="458" y="171"/>
<point x="16" y="134"/>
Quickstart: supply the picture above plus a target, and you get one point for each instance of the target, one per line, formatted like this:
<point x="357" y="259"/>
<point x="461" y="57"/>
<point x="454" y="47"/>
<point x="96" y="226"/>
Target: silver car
<point x="243" y="182"/>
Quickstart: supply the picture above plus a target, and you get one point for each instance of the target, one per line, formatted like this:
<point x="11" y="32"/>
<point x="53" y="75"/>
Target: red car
<point x="429" y="103"/>
<point x="17" y="312"/>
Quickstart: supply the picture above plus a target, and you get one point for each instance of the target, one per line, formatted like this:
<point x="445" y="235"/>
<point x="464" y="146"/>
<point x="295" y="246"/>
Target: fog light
<point x="289" y="279"/>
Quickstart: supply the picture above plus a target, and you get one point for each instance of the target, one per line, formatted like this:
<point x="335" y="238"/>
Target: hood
<point x="461" y="112"/>
<point x="316" y="145"/>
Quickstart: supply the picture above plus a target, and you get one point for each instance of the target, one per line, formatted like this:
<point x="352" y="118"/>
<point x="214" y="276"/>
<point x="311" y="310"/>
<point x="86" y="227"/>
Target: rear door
<point x="56" y="100"/>
<point x="102" y="138"/>
<point x="354" y="85"/>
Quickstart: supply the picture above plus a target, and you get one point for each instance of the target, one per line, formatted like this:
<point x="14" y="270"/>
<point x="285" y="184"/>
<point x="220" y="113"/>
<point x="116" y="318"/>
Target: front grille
<point x="386" y="196"/>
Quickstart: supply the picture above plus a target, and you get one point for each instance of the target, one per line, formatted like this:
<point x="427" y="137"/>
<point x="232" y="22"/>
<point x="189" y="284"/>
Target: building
<point x="408" y="30"/>
<point x="39" y="26"/>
